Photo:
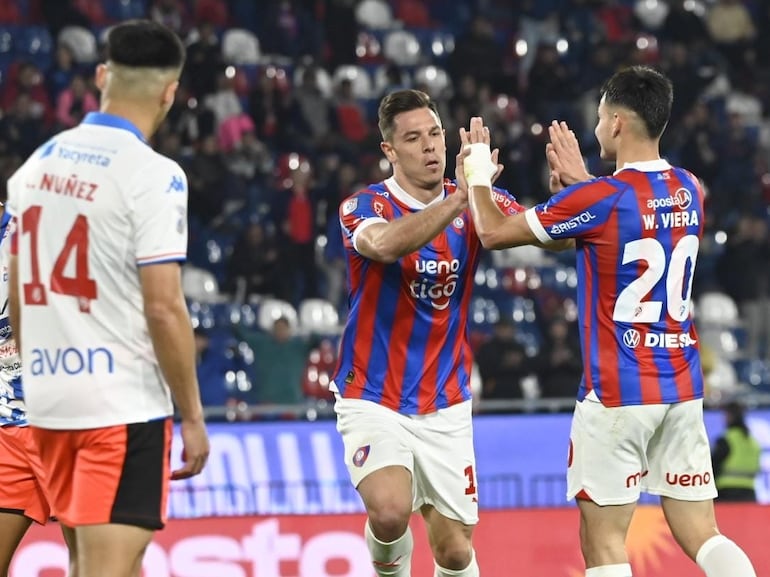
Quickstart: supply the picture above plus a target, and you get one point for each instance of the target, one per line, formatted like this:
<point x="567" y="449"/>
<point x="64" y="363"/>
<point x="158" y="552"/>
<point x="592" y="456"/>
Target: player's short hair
<point x="398" y="102"/>
<point x="144" y="44"/>
<point x="646" y="92"/>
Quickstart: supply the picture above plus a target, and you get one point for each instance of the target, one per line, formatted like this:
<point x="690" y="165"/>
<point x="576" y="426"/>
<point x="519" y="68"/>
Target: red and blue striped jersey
<point x="405" y="343"/>
<point x="637" y="235"/>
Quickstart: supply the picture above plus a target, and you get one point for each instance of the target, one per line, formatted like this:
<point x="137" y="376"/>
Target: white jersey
<point x="93" y="205"/>
<point x="12" y="410"/>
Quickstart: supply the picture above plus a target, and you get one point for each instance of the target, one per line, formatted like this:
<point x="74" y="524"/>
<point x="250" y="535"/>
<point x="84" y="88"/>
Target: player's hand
<point x="195" y="449"/>
<point x="564" y="157"/>
<point x="478" y="133"/>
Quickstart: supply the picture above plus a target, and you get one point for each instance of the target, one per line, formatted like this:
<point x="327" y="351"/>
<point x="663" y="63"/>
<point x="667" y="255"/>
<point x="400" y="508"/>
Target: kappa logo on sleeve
<point x="176" y="184"/>
<point x="349" y="206"/>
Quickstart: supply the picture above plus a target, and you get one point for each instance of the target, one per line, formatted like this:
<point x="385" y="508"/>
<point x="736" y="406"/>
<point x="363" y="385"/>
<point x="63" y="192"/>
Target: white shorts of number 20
<point x="616" y="453"/>
<point x="436" y="448"/>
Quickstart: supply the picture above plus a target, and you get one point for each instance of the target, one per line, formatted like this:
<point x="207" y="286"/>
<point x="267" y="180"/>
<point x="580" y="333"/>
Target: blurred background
<point x="275" y="124"/>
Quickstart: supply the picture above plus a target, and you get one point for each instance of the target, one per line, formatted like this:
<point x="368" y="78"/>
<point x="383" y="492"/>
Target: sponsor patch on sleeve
<point x="349" y="206"/>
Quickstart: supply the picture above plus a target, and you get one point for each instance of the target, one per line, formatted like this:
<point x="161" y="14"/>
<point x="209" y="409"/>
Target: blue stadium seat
<point x="34" y="43"/>
<point x="125" y="9"/>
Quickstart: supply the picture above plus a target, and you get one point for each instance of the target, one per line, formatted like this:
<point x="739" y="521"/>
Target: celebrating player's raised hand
<point x="564" y="157"/>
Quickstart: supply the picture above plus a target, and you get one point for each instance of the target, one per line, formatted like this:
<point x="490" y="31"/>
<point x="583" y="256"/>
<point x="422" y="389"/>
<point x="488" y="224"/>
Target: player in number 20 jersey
<point x="637" y="236"/>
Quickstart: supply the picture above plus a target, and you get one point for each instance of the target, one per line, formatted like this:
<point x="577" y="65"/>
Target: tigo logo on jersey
<point x="360" y="456"/>
<point x="437" y="290"/>
<point x="681" y="198"/>
<point x="632" y="338"/>
<point x="176" y="184"/>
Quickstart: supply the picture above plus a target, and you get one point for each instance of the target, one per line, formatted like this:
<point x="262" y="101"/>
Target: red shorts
<point x="116" y="474"/>
<point x="21" y="472"/>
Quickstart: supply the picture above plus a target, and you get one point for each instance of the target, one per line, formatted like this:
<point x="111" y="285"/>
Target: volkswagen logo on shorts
<point x="632" y="338"/>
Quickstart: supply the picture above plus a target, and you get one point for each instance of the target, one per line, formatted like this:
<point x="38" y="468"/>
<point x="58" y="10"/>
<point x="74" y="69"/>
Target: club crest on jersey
<point x="632" y="338"/>
<point x="378" y="207"/>
<point x="349" y="206"/>
<point x="360" y="456"/>
<point x="458" y="222"/>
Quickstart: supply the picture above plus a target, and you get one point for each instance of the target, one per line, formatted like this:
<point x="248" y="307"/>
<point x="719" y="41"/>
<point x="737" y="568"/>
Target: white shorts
<point x="616" y="453"/>
<point x="436" y="448"/>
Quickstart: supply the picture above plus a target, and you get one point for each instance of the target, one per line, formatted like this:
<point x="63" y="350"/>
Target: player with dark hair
<point x="98" y="310"/>
<point x="638" y="423"/>
<point x="403" y="406"/>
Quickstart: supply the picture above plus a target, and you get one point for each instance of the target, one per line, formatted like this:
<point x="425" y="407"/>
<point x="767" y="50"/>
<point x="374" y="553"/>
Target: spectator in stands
<point x="341" y="32"/>
<point x="319" y="370"/>
<point x="212" y="11"/>
<point x="313" y="111"/>
<point x="27" y="79"/>
<point x="731" y="27"/>
<point x="503" y="363"/>
<point x="270" y="107"/>
<point x="172" y="14"/>
<point x="559" y="362"/>
<point x="744" y="273"/>
<point x="211" y="366"/>
<point x="204" y="62"/>
<point x="207" y="177"/>
<point x="59" y="75"/>
<point x="279" y="363"/>
<point x="478" y="53"/>
<point x="351" y="117"/>
<point x="74" y="103"/>
<point x="251" y="269"/>
<point x="22" y="127"/>
<point x="735" y="458"/>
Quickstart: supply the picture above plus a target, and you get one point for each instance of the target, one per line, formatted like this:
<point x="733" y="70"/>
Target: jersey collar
<point x="405" y="198"/>
<point x="657" y="165"/>
<point x="112" y="121"/>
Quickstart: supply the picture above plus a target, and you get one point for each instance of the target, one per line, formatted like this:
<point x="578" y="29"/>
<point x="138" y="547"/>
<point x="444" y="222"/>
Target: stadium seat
<point x="81" y="41"/>
<point x="318" y="316"/>
<point x="717" y="309"/>
<point x="435" y="79"/>
<point x="375" y="14"/>
<point x="270" y="310"/>
<point x="240" y="47"/>
<point x="200" y="285"/>
<point x="359" y="78"/>
<point x="119" y="10"/>
<point x="402" y="47"/>
<point x="34" y="43"/>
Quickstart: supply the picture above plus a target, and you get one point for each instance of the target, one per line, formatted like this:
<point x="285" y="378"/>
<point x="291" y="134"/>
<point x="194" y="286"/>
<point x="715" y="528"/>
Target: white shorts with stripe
<point x="616" y="453"/>
<point x="436" y="448"/>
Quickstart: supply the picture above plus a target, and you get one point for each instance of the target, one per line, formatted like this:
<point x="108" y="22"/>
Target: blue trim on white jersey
<point x="112" y="121"/>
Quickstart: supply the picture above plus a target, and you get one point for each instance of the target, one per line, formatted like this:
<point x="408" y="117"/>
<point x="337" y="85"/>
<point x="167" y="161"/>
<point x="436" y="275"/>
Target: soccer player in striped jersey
<point x="638" y="422"/>
<point x="21" y="496"/>
<point x="402" y="383"/>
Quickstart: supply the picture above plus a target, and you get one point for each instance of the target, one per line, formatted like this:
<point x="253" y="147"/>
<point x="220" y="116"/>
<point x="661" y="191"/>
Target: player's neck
<point x="637" y="152"/>
<point x="134" y="112"/>
<point x="423" y="195"/>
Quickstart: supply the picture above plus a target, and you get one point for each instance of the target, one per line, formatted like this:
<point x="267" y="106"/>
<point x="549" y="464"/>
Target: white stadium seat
<point x="240" y="47"/>
<point x="359" y="78"/>
<point x="717" y="309"/>
<point x="374" y="14"/>
<point x="402" y="47"/>
<point x="200" y="285"/>
<point x="270" y="310"/>
<point x="318" y="316"/>
<point x="81" y="41"/>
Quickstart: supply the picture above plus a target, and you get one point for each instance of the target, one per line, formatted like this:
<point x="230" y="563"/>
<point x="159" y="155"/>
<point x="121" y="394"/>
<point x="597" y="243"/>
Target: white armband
<point x="478" y="166"/>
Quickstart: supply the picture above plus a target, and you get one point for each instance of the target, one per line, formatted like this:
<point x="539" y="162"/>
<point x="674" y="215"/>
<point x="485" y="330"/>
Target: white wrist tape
<point x="478" y="166"/>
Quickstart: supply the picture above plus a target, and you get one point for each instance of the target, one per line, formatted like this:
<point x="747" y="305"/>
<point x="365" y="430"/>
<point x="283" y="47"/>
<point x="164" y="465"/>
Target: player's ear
<point x="387" y="150"/>
<point x="617" y="123"/>
<point x="100" y="77"/>
<point x="170" y="93"/>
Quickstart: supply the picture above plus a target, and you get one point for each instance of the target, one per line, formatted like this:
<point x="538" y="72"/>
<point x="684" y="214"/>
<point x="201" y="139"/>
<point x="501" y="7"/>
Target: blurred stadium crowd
<point x="275" y="124"/>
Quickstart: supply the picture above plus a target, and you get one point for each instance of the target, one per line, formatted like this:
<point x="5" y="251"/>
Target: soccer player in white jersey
<point x="98" y="309"/>
<point x="638" y="423"/>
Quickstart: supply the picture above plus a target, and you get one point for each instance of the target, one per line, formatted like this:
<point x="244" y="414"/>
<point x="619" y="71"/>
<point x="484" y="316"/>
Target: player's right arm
<point x="388" y="240"/>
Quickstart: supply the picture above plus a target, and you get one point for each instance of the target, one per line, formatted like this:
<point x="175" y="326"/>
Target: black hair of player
<point x="397" y="102"/>
<point x="144" y="44"/>
<point x="646" y="92"/>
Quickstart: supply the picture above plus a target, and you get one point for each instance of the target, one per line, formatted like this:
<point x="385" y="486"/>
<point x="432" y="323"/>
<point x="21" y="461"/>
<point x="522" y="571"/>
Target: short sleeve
<point x="361" y="210"/>
<point x="160" y="214"/>
<point x="506" y="202"/>
<point x="578" y="211"/>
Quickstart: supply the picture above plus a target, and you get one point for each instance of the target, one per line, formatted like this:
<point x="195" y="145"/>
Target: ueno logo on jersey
<point x="681" y="198"/>
<point x="633" y="338"/>
<point x="437" y="290"/>
<point x="573" y="223"/>
<point x="80" y="157"/>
